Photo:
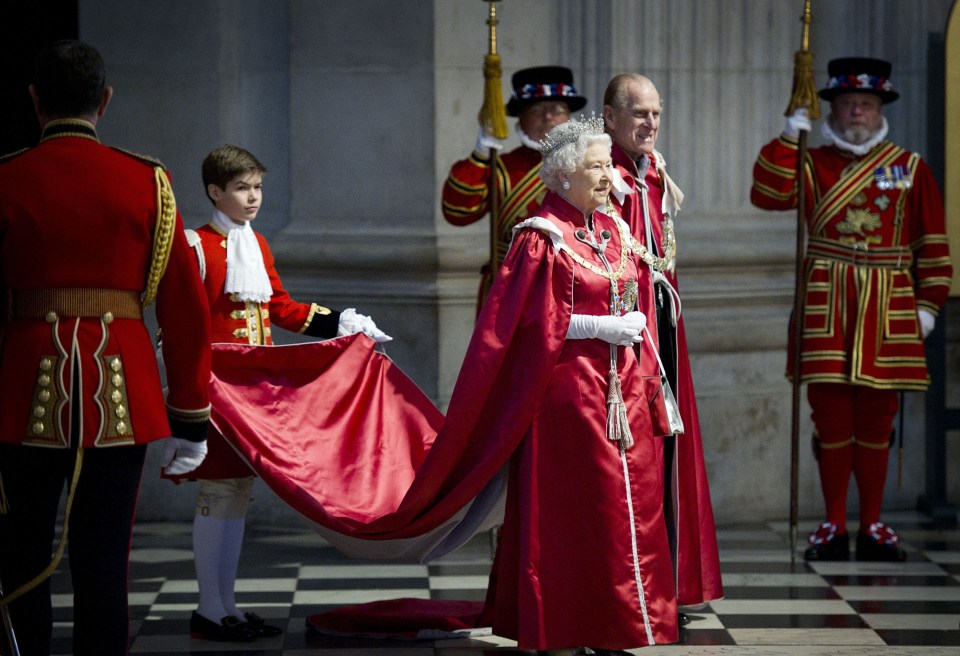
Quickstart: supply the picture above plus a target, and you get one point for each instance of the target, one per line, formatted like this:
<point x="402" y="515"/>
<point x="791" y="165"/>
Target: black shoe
<point x="230" y="629"/>
<point x="682" y="619"/>
<point x="258" y="627"/>
<point x="880" y="544"/>
<point x="827" y="545"/>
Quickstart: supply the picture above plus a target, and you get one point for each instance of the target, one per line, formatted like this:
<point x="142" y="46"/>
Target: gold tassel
<point x="804" y="94"/>
<point x="618" y="428"/>
<point x="492" y="114"/>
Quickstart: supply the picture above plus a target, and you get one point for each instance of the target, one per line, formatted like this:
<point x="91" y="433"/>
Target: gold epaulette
<point x="146" y="159"/>
<point x="9" y="156"/>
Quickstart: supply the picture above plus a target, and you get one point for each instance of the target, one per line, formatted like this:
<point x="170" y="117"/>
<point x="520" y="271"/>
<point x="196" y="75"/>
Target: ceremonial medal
<point x="893" y="177"/>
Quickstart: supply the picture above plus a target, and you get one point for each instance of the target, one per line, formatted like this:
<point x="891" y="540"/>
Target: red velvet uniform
<point x="519" y="192"/>
<point x="74" y="302"/>
<point x="240" y="322"/>
<point x="88" y="235"/>
<point x="876" y="253"/>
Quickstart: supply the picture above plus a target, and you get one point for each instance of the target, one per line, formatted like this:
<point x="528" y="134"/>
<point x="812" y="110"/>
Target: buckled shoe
<point x="826" y="544"/>
<point x="230" y="629"/>
<point x="255" y="624"/>
<point x="880" y="543"/>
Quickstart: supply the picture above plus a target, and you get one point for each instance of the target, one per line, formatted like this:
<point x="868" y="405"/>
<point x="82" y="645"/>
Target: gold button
<point x="121" y="411"/>
<point x="37" y="427"/>
<point x="39" y="411"/>
<point x="108" y="317"/>
<point x="51" y="316"/>
<point x="116" y="380"/>
<point x="116" y="396"/>
<point x="115" y="364"/>
<point x="44" y="395"/>
<point x="46" y="364"/>
<point x="121" y="428"/>
<point x="43" y="380"/>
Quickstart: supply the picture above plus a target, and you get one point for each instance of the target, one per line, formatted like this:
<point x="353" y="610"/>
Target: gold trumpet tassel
<point x="492" y="114"/>
<point x="804" y="95"/>
<point x="618" y="428"/>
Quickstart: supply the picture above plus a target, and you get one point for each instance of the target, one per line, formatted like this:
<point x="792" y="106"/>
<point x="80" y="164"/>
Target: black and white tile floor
<point x="772" y="607"/>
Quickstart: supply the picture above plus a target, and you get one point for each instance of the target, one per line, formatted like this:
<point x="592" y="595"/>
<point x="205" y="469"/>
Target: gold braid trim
<point x="163" y="234"/>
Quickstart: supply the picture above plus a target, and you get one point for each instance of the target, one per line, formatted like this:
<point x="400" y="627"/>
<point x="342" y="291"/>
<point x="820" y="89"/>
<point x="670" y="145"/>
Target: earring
<point x="566" y="184"/>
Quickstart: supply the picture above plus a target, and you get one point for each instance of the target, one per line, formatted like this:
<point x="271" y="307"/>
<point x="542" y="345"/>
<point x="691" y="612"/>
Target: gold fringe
<point x="61" y="547"/>
<point x="493" y="115"/>
<point x="163" y="234"/>
<point x="618" y="427"/>
<point x="804" y="94"/>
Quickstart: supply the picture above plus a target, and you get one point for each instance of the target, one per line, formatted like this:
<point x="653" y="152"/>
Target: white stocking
<point x="208" y="533"/>
<point x="229" y="563"/>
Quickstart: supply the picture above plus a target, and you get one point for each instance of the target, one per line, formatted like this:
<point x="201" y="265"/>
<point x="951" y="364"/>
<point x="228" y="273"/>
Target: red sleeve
<point x="465" y="191"/>
<point x="931" y="252"/>
<point x="183" y="315"/>
<point x="775" y="176"/>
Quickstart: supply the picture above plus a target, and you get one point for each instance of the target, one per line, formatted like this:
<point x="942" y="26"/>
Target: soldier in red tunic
<point x="89" y="235"/>
<point x="876" y="273"/>
<point x="649" y="200"/>
<point x="246" y="299"/>
<point x="543" y="97"/>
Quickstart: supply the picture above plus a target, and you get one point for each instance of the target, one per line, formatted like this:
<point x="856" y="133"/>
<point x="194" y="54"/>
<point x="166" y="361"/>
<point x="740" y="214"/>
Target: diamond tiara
<point x="569" y="132"/>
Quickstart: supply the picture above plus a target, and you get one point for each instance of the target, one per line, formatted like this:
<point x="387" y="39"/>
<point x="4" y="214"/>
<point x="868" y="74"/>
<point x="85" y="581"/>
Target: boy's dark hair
<point x="225" y="163"/>
<point x="69" y="79"/>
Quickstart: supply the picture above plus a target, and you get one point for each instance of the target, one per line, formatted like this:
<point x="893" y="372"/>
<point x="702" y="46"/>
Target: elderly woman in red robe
<point x="583" y="558"/>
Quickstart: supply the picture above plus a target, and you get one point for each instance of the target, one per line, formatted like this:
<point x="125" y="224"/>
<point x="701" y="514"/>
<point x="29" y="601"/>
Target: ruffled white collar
<point x="246" y="274"/>
<point x="834" y="139"/>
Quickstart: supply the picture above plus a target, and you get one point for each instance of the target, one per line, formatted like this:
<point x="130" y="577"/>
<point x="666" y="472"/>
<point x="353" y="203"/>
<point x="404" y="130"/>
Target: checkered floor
<point x="771" y="605"/>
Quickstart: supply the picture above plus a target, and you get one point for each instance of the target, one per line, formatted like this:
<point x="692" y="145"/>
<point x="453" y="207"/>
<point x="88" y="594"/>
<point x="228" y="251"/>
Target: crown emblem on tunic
<point x="569" y="132"/>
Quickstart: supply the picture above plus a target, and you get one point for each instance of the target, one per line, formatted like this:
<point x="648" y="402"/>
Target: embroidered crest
<point x="858" y="221"/>
<point x="620" y="304"/>
<point x="859" y="199"/>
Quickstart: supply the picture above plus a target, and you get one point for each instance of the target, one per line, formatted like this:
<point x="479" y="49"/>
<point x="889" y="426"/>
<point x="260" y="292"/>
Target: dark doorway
<point x="25" y="28"/>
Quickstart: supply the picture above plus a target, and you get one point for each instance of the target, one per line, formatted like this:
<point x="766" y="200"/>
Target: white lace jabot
<point x="246" y="274"/>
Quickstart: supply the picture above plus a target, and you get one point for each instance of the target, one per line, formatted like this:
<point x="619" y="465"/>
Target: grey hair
<point x="564" y="160"/>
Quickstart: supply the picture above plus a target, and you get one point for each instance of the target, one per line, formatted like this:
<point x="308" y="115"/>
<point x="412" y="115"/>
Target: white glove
<point x="181" y="456"/>
<point x="485" y="142"/>
<point x="927" y="322"/>
<point x="799" y="121"/>
<point x="623" y="331"/>
<point x="352" y="322"/>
